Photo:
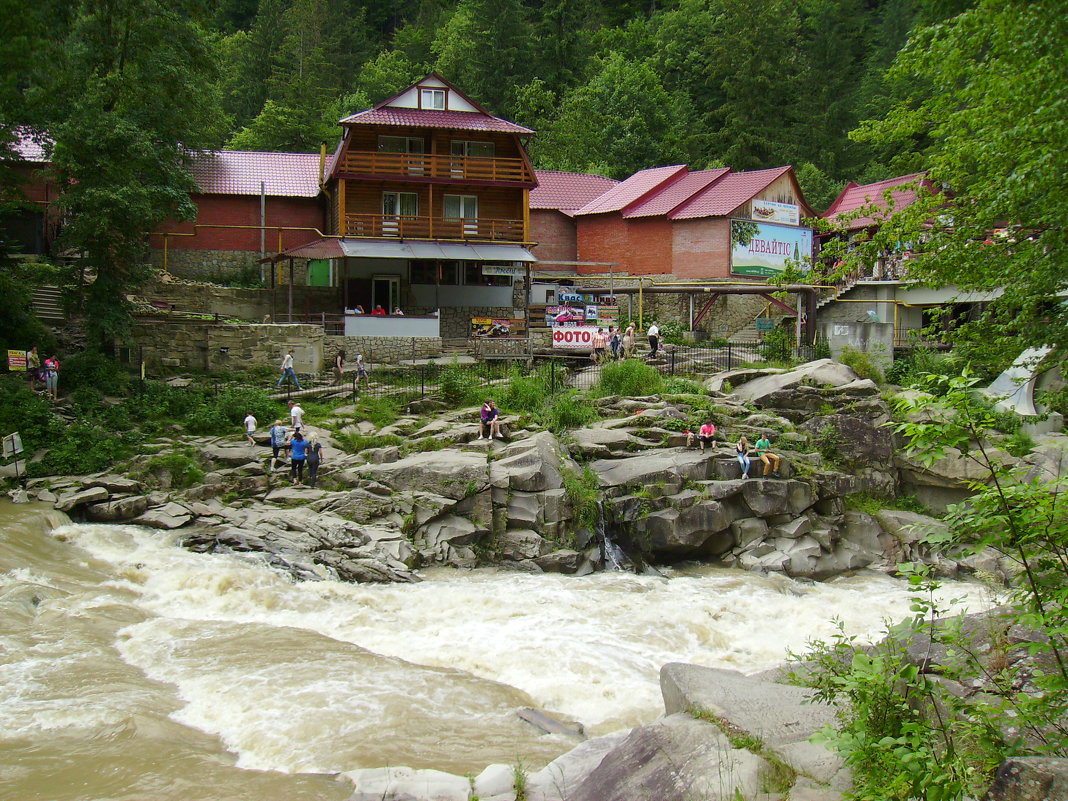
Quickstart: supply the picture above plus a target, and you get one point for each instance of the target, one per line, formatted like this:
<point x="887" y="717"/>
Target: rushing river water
<point x="133" y="669"/>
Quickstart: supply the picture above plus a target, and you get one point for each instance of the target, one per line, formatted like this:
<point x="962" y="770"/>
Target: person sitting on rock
<point x="763" y="450"/>
<point x="490" y="421"/>
<point x="706" y="434"/>
<point x="741" y="449"/>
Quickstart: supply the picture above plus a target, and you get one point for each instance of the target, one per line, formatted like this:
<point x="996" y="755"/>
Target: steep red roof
<point x="567" y="191"/>
<point x="674" y="194"/>
<point x="856" y="196"/>
<point x="240" y="172"/>
<point x="27" y="148"/>
<point x="637" y="187"/>
<point x="430" y="118"/>
<point x="727" y="194"/>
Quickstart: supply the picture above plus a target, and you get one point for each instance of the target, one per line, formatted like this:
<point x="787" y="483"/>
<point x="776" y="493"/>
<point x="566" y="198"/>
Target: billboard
<point x="772" y="212"/>
<point x="496" y="327"/>
<point x="763" y="249"/>
<point x="564" y="315"/>
<point x="579" y="337"/>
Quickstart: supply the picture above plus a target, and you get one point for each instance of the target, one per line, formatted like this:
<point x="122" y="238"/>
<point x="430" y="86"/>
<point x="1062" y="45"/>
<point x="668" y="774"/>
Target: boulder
<point x="564" y="561"/>
<point x="363" y="506"/>
<point x="671" y="534"/>
<point x="289" y="496"/>
<point x="524" y="510"/>
<point x="159" y="518"/>
<point x="766" y="497"/>
<point x="232" y="455"/>
<point x="521" y="544"/>
<point x="529" y="465"/>
<point x="600" y="442"/>
<point x="671" y="466"/>
<point x="116" y="484"/>
<point x="554" y="782"/>
<point x="117" y="509"/>
<point x="452" y="474"/>
<point x="749" y="531"/>
<point x="854" y="439"/>
<point x="69" y="501"/>
<point x="450" y="530"/>
<point x="822" y="372"/>
<point x="1030" y="779"/>
<point x="406" y="784"/>
<point x="676" y="758"/>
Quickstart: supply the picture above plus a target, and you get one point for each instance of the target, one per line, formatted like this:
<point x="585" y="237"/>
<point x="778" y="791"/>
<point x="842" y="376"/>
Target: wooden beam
<point x="342" y="225"/>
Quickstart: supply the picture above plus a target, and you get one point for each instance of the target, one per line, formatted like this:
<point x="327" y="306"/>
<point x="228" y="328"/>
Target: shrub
<point x="568" y="411"/>
<point x="778" y="345"/>
<point x="30" y="414"/>
<point x="681" y="386"/>
<point x="93" y="370"/>
<point x="628" y="377"/>
<point x="861" y="364"/>
<point x="182" y="467"/>
<point x="526" y="393"/>
<point x="81" y="449"/>
<point x="584" y="493"/>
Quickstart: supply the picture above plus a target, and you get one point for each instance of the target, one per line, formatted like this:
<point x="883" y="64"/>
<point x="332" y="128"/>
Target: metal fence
<point x="442" y="379"/>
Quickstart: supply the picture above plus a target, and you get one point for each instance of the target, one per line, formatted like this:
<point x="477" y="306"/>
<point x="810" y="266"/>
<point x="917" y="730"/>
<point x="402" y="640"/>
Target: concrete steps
<point x="48" y="305"/>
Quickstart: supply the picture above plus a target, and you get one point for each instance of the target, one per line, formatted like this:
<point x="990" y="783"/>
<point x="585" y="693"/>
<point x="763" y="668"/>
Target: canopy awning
<point x="334" y="248"/>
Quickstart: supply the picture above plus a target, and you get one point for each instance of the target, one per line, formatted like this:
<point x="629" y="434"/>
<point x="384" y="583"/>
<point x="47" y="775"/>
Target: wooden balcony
<point x="452" y="168"/>
<point x="378" y="225"/>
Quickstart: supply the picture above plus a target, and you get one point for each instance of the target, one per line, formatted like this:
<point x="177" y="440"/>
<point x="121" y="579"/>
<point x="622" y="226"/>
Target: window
<point x="473" y="276"/>
<point x="462" y="209"/>
<point x="397" y="206"/>
<point x="480" y="150"/>
<point x="400" y="144"/>
<point x="424" y="272"/>
<point x="432" y="98"/>
<point x="450" y="273"/>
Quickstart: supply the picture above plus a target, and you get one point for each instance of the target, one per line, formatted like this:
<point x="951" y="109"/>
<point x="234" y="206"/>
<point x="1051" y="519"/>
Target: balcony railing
<point x="459" y="168"/>
<point x="405" y="227"/>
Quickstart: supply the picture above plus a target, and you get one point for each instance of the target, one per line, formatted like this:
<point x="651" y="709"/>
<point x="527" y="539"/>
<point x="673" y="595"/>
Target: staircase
<point x="839" y="290"/>
<point x="48" y="305"/>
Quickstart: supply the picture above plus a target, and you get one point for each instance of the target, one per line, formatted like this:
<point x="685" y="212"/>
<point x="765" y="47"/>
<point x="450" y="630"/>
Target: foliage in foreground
<point x="907" y="736"/>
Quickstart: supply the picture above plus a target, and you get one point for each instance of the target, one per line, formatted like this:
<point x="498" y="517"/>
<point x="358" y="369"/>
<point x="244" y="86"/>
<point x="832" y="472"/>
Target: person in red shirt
<point x="378" y="311"/>
<point x="706" y="435"/>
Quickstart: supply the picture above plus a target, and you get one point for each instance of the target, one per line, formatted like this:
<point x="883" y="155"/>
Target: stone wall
<point x="383" y="350"/>
<point x="875" y="339"/>
<point x="244" y="304"/>
<point x="200" y="345"/>
<point x="224" y="265"/>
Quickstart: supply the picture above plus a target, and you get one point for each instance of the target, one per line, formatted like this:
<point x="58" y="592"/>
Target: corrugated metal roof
<point x="567" y="191"/>
<point x="326" y="248"/>
<point x="430" y="118"/>
<point x="727" y="194"/>
<point x="856" y="196"/>
<point x="633" y="189"/>
<point x="240" y="172"/>
<point x="675" y="194"/>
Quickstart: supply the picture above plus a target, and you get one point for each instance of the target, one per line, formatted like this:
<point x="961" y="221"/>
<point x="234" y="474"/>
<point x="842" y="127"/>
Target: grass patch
<point x="629" y="377"/>
<point x="352" y="442"/>
<point x="871" y="503"/>
<point x="583" y="491"/>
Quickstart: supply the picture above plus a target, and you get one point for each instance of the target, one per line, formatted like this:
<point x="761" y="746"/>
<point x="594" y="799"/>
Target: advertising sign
<point x="16" y="361"/>
<point x="765" y="324"/>
<point x="502" y="269"/>
<point x="772" y="212"/>
<point x="579" y="337"/>
<point x="571" y="297"/>
<point x="495" y="327"/>
<point x="564" y="315"/>
<point x="761" y="249"/>
<point x="608" y="315"/>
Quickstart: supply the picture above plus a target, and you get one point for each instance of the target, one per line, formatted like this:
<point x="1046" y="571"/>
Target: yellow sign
<point x="16" y="361"/>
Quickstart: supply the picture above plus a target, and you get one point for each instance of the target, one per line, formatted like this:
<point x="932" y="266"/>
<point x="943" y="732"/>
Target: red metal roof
<point x="637" y="187"/>
<point x="567" y="191"/>
<point x="240" y="172"/>
<point x="430" y="118"/>
<point x="325" y="248"/>
<point x="673" y="195"/>
<point x="856" y="196"/>
<point x="727" y="194"/>
<point x="27" y="148"/>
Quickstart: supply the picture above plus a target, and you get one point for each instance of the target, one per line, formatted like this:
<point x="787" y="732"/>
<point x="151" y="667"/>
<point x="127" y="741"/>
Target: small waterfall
<point x="612" y="555"/>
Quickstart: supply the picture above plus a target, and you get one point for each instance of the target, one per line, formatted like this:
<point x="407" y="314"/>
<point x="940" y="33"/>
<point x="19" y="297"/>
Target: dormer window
<point x="432" y="98"/>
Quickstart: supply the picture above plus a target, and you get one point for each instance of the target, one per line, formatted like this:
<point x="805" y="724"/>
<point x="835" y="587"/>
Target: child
<point x="706" y="435"/>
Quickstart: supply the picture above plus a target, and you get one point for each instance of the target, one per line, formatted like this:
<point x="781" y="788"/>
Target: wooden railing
<point x="404" y="227"/>
<point x="460" y="168"/>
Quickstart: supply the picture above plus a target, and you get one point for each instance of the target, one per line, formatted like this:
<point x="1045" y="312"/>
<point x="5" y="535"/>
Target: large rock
<point x="1030" y="779"/>
<point x="453" y="474"/>
<point x="69" y="501"/>
<point x="948" y="479"/>
<point x="116" y="484"/>
<point x="599" y="442"/>
<point x="671" y="467"/>
<point x="520" y="544"/>
<point x="170" y="516"/>
<point x="529" y="465"/>
<point x="406" y="784"/>
<point x="853" y="439"/>
<point x="232" y="455"/>
<point x="291" y="496"/>
<point x="117" y="509"/>
<point x="822" y="372"/>
<point x="676" y="758"/>
<point x="671" y="534"/>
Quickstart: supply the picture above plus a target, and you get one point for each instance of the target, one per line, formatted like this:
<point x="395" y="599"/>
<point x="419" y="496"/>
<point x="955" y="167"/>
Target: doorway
<point x="385" y="292"/>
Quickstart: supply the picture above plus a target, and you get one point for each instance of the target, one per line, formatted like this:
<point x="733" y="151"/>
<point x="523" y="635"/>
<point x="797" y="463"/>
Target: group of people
<point x="379" y="311"/>
<point x="288" y="373"/>
<point x="706" y="435"/>
<point x="303" y="452"/>
<point x="46" y="373"/>
<point x="613" y="344"/>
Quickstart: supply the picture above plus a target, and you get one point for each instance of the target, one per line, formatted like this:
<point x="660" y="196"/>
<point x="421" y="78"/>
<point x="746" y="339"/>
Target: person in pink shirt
<point x="706" y="434"/>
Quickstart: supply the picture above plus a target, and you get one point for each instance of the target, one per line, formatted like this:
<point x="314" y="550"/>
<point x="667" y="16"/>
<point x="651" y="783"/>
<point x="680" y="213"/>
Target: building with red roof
<point x="553" y="205"/>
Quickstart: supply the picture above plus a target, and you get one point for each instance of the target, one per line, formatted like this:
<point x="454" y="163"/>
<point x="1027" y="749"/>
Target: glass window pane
<point x="450" y="272"/>
<point x="480" y="149"/>
<point x="409" y="204"/>
<point x="452" y="206"/>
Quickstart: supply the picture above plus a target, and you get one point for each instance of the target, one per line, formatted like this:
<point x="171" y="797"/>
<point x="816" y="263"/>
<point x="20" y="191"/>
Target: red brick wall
<point x="288" y="212"/>
<point x="34" y="186"/>
<point x="556" y="237"/>
<point x="701" y="248"/>
<point x="640" y="246"/>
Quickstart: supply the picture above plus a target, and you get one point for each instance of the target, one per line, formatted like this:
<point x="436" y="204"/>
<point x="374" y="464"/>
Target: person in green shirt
<point x="763" y="449"/>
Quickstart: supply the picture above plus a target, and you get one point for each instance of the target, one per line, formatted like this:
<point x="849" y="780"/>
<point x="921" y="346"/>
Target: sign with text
<point x="772" y="212"/>
<point x="16" y="361"/>
<point x="503" y="269"/>
<point x="765" y="324"/>
<point x="579" y="337"/>
<point x="564" y="315"/>
<point x="12" y="445"/>
<point x="571" y="297"/>
<point x="495" y="327"/>
<point x="763" y="250"/>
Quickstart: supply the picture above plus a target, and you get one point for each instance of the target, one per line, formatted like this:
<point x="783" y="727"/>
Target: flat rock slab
<point x="157" y="518"/>
<point x="406" y="784"/>
<point x="232" y="455"/>
<point x="669" y="465"/>
<point x="91" y="495"/>
<point x="777" y="714"/>
<point x="116" y="484"/>
<point x="287" y="495"/>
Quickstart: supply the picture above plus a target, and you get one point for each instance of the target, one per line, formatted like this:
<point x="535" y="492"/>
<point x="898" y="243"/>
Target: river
<point x="131" y="668"/>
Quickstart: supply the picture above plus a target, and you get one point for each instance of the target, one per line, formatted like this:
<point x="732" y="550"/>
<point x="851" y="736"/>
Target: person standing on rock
<point x="763" y="450"/>
<point x="361" y="370"/>
<point x="51" y="377"/>
<point x="298" y="455"/>
<point x="287" y="372"/>
<point x="654" y="340"/>
<point x="741" y="450"/>
<point x="278" y="442"/>
<point x="250" y="428"/>
<point x="706" y="434"/>
<point x="339" y="366"/>
<point x="296" y="416"/>
<point x="315" y="457"/>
